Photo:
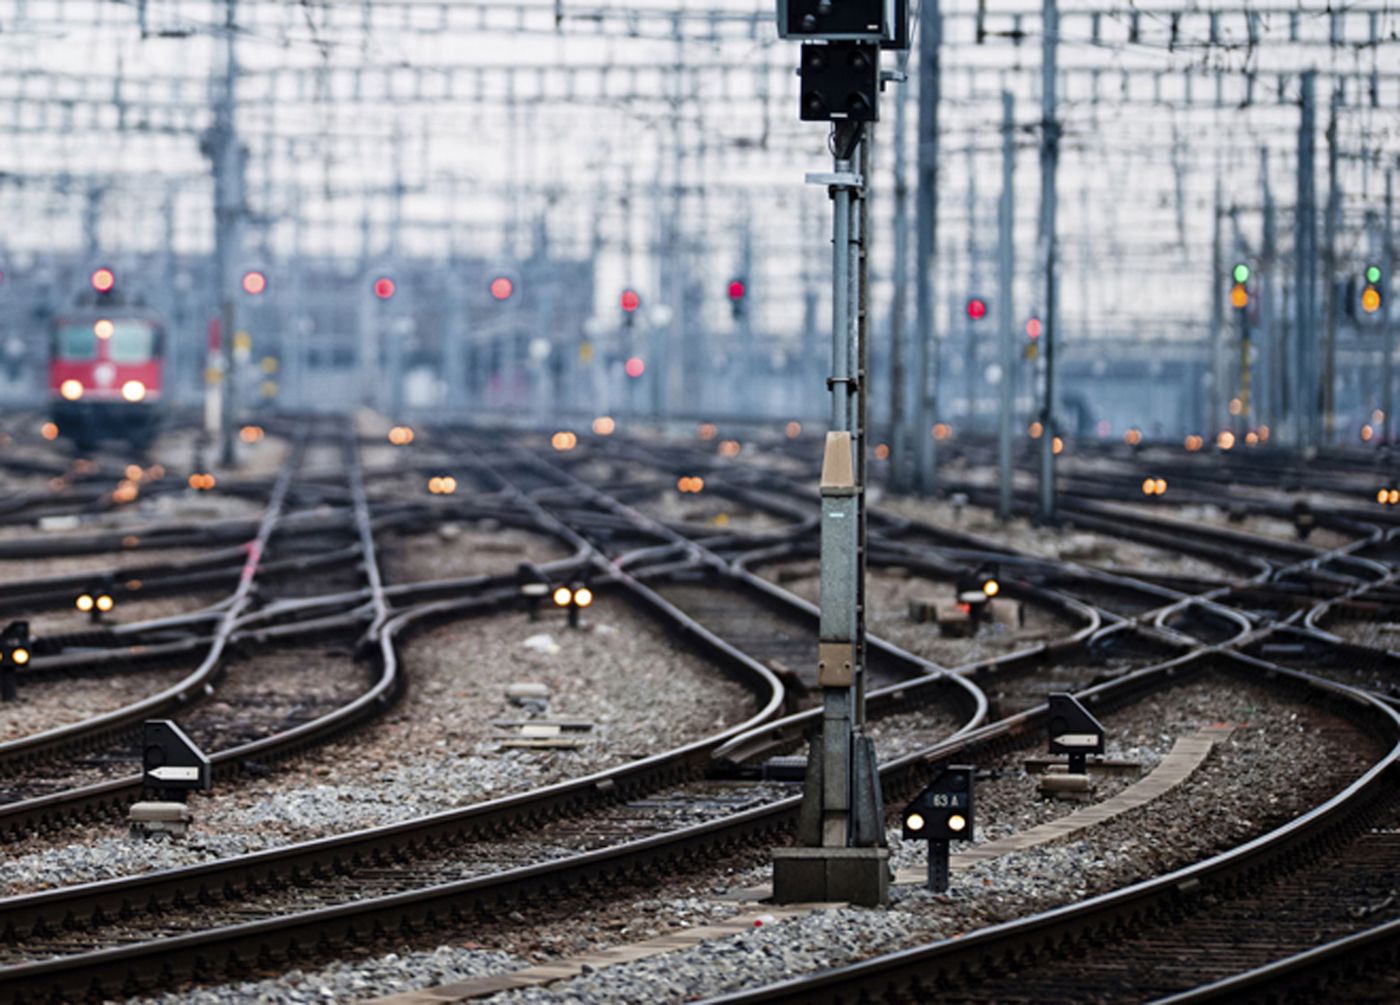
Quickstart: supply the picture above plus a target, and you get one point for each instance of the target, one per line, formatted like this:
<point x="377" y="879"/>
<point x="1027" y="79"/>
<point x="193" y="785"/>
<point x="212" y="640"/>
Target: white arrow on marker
<point x="1077" y="740"/>
<point x="174" y="774"/>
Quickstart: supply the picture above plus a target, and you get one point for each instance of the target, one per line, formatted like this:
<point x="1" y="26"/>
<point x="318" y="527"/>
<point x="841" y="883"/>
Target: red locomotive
<point x="106" y="368"/>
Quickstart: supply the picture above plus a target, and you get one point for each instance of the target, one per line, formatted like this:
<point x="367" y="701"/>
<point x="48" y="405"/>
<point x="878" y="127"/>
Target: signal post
<point x="843" y="853"/>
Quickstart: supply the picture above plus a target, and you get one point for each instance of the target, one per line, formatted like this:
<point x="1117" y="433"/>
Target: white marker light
<point x="562" y="596"/>
<point x="957" y="822"/>
<point x="914" y="822"/>
<point x="583" y="596"/>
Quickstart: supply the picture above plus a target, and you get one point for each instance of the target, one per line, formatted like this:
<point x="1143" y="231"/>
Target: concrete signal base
<point x="831" y="875"/>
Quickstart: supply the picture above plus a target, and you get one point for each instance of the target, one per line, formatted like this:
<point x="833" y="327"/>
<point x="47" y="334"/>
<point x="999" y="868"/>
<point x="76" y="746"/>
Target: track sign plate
<point x="170" y="760"/>
<point x="1072" y="729"/>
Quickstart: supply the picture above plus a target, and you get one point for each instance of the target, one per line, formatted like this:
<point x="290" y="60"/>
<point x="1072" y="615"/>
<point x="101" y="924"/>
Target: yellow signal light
<point x="1381" y="496"/>
<point x="1370" y="300"/>
<point x="1239" y="296"/>
<point x="1160" y="485"/>
<point x="1393" y="496"/>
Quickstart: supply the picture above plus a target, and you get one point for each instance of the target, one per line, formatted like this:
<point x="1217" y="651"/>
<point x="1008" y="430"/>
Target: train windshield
<point x="128" y="340"/>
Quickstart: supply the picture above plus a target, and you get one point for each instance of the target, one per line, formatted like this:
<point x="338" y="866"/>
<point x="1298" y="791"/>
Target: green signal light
<point x="1373" y="273"/>
<point x="1241" y="273"/>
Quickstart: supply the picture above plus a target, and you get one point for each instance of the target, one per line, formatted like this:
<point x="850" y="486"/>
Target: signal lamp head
<point x="914" y="821"/>
<point x="20" y="656"/>
<point x="635" y="367"/>
<point x="629" y="301"/>
<point x="1393" y="496"/>
<point x="991" y="587"/>
<point x="737" y="289"/>
<point x="1373" y="273"/>
<point x="84" y="602"/>
<point x="1239" y="296"/>
<point x="1381" y="496"/>
<point x="103" y="280"/>
<point x="384" y="287"/>
<point x="1240" y="272"/>
<point x="105" y="602"/>
<point x="562" y="596"/>
<point x="583" y="596"/>
<point x="1033" y="328"/>
<point x="254" y="283"/>
<point x="976" y="308"/>
<point x="1370" y="300"/>
<point x="957" y="822"/>
<point x="502" y="288"/>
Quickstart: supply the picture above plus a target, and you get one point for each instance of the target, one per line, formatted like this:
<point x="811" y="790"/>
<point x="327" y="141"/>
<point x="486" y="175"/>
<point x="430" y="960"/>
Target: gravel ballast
<point x="438" y="748"/>
<point x="1253" y="773"/>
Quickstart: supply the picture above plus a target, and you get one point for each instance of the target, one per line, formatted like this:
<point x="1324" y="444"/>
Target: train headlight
<point x="133" y="391"/>
<point x="71" y="389"/>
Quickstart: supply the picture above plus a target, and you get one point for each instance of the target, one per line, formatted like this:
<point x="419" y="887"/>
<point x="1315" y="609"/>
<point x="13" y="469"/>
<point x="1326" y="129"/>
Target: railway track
<point x="649" y="559"/>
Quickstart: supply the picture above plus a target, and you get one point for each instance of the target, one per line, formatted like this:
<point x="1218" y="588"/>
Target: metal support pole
<point x="1006" y="260"/>
<point x="926" y="222"/>
<point x="1305" y="279"/>
<point x="1329" y="279"/>
<point x="841" y="802"/>
<point x="899" y="433"/>
<point x="1212" y="424"/>
<point x="228" y="207"/>
<point x="1387" y="328"/>
<point x="1049" y="158"/>
<point x="1270" y="371"/>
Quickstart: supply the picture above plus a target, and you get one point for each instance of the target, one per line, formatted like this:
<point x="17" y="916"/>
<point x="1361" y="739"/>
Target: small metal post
<point x="1006" y="262"/>
<point x="7" y="680"/>
<point x="938" y="866"/>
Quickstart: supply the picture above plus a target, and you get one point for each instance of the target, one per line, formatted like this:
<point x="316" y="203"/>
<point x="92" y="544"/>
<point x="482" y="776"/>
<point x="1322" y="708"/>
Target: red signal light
<point x="737" y="289"/>
<point x="254" y="283"/>
<point x="976" y="308"/>
<point x="103" y="280"/>
<point x="502" y="287"/>
<point x="630" y="301"/>
<point x="635" y="367"/>
<point x="384" y="288"/>
<point x="1033" y="328"/>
